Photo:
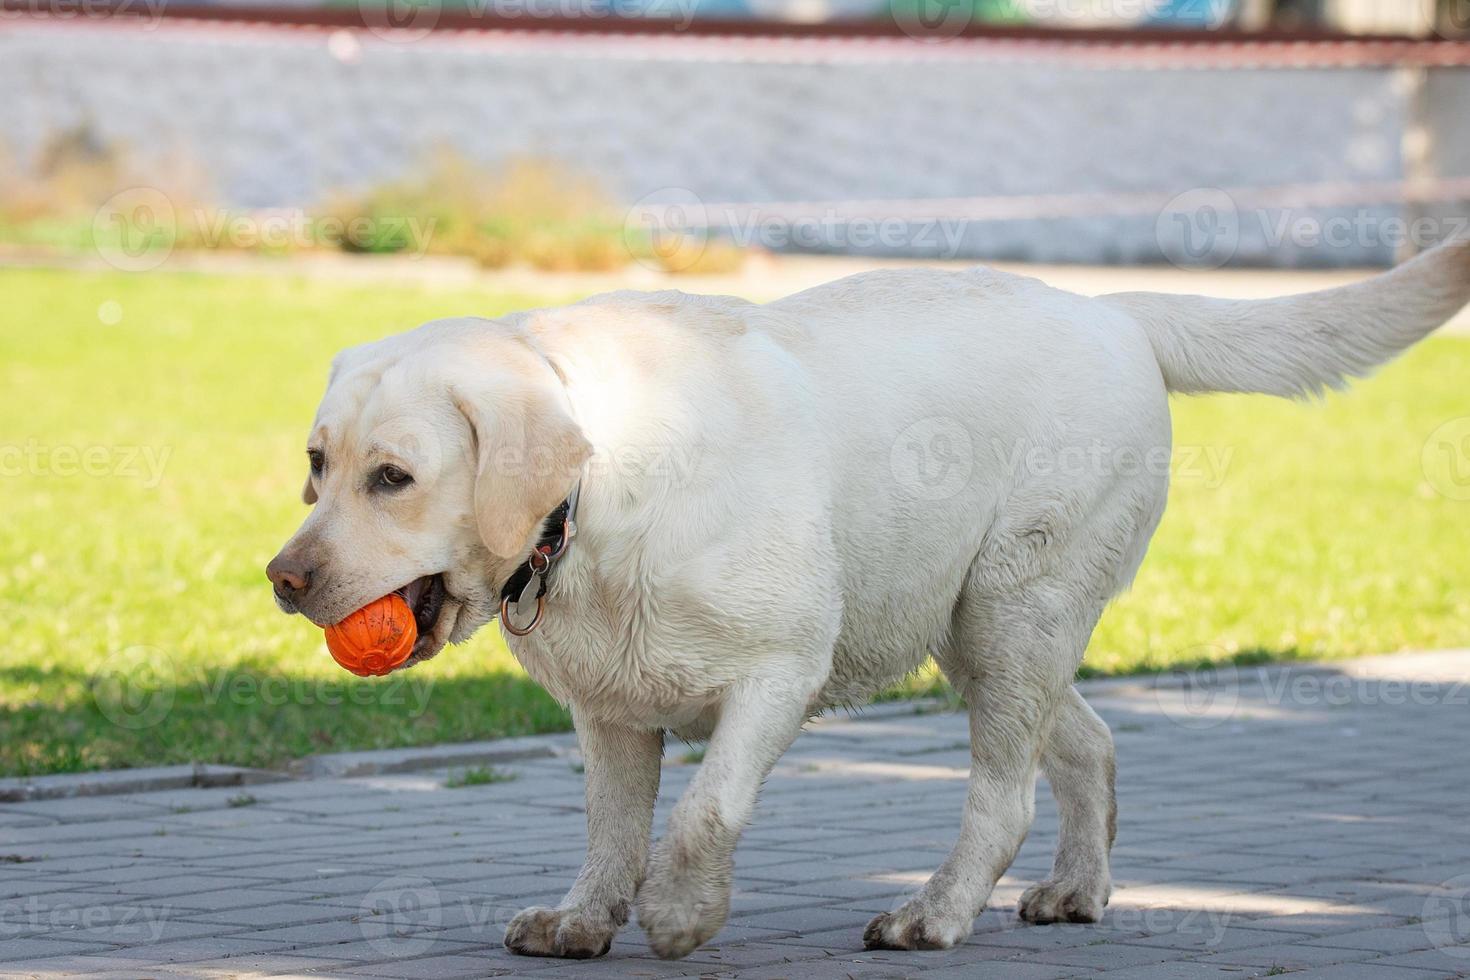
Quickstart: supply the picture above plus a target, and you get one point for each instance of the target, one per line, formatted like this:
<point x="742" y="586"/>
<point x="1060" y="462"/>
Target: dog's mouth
<point x="425" y="596"/>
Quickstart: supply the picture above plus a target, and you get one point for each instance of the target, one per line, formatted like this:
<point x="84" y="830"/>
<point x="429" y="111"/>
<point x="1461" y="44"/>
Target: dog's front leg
<point x="622" y="770"/>
<point x="686" y="896"/>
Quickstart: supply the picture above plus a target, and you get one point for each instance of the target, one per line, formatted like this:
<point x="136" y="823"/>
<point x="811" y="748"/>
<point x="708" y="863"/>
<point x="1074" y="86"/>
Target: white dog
<point x="784" y="507"/>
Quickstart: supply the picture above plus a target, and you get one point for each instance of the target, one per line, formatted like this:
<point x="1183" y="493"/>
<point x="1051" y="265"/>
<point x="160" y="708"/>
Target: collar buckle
<point x="537" y="566"/>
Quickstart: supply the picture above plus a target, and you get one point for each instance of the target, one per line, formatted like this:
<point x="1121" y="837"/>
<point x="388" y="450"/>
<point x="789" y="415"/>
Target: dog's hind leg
<point x="1012" y="657"/>
<point x="1079" y="763"/>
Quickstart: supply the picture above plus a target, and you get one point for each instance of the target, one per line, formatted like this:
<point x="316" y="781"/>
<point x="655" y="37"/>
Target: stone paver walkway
<point x="1306" y="820"/>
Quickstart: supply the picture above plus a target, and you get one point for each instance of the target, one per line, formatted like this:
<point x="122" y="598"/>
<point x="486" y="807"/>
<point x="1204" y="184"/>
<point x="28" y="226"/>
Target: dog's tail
<point x="1298" y="345"/>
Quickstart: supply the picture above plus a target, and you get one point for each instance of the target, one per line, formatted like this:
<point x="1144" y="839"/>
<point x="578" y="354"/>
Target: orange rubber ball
<point x="376" y="638"/>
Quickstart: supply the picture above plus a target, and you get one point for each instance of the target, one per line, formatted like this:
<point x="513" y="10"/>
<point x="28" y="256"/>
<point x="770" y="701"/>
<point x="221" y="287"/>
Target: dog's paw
<point x="682" y="903"/>
<point x="1063" y="901"/>
<point x="573" y="933"/>
<point x="913" y="927"/>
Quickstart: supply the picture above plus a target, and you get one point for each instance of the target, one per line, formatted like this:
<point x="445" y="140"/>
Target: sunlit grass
<point x="153" y="427"/>
<point x="215" y="379"/>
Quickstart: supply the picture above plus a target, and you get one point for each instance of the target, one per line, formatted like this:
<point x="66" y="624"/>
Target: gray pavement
<point x="1303" y="820"/>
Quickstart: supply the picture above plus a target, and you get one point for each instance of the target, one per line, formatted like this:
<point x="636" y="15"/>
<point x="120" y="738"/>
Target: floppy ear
<point x="308" y="492"/>
<point x="528" y="455"/>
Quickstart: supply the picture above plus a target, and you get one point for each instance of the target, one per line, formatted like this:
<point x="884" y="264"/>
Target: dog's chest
<point x="626" y="662"/>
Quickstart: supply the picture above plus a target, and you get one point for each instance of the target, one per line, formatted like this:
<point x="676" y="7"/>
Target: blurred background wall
<point x="1030" y="147"/>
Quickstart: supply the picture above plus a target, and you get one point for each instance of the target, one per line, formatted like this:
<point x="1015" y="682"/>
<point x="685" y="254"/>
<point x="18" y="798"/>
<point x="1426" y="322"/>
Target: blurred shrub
<point x="532" y="212"/>
<point x="46" y="200"/>
<point x="535" y="212"/>
<point x="75" y="171"/>
<point x="424" y="213"/>
<point x="697" y="257"/>
<point x="570" y="248"/>
<point x="555" y="220"/>
<point x="69" y="195"/>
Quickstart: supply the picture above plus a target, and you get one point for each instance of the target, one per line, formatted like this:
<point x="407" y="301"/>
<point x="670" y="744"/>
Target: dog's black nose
<point x="289" y="576"/>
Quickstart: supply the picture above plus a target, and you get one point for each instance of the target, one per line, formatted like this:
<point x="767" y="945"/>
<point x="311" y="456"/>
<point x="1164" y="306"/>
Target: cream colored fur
<point x="786" y="507"/>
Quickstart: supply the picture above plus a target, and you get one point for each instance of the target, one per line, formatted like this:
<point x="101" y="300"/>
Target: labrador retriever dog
<point x="703" y="516"/>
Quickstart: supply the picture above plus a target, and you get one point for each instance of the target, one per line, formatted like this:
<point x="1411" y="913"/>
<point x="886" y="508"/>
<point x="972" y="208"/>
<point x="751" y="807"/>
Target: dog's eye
<point x="317" y="460"/>
<point x="392" y="476"/>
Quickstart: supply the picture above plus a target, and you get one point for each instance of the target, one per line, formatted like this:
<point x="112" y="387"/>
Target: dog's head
<point x="434" y="458"/>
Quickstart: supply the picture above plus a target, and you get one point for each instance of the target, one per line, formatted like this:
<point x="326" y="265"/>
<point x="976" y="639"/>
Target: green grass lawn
<point x="152" y="429"/>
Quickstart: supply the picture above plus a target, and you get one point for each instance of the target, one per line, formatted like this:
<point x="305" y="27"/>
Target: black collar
<point x="553" y="530"/>
<point x="557" y="531"/>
